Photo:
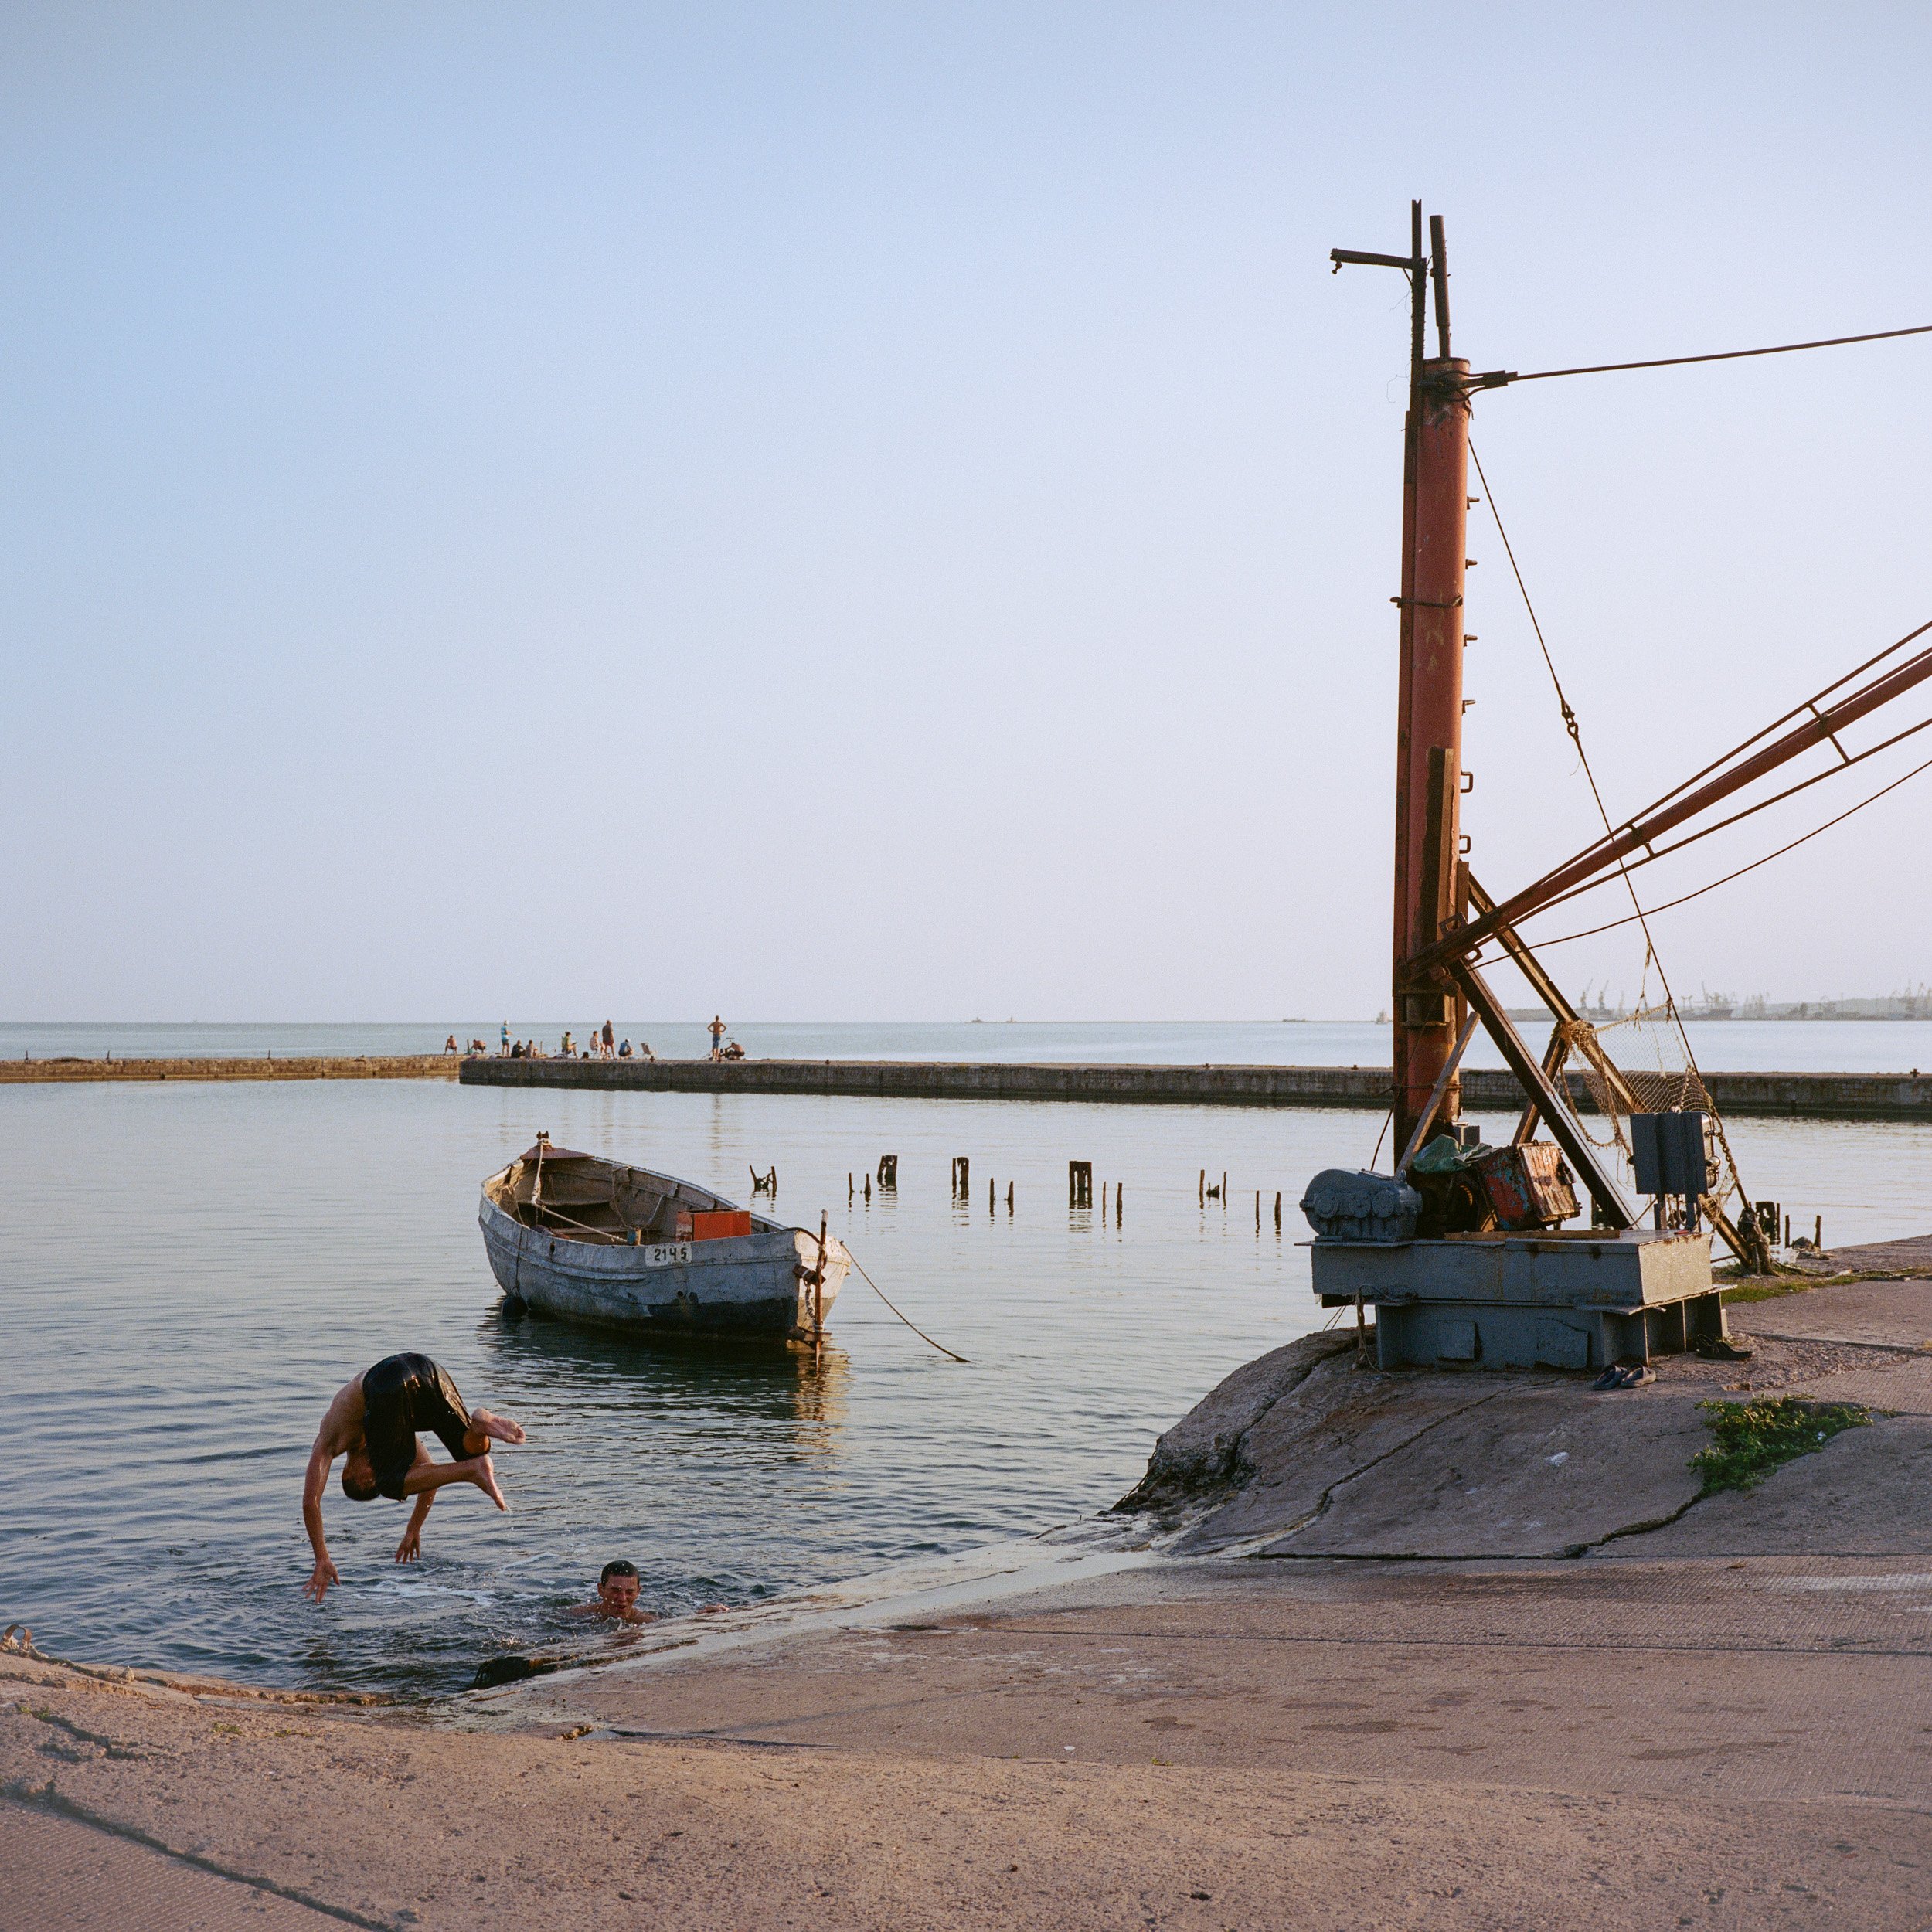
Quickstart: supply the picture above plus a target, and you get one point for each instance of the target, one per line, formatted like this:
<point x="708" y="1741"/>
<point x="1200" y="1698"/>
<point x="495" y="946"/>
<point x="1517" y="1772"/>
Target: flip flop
<point x="1721" y="1348"/>
<point x="1630" y="1375"/>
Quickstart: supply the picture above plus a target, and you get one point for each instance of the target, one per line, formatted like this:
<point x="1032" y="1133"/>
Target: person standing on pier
<point x="505" y="1038"/>
<point x="372" y="1422"/>
<point x="717" y="1037"/>
<point x="610" y="1042"/>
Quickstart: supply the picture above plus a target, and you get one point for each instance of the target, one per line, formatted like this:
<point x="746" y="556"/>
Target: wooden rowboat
<point x="591" y="1240"/>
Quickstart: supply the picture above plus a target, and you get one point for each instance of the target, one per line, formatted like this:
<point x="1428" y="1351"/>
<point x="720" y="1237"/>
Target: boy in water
<point x="617" y="1597"/>
<point x="372" y="1422"/>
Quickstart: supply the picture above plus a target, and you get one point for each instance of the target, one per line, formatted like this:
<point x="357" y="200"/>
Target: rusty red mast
<point x="1429" y="774"/>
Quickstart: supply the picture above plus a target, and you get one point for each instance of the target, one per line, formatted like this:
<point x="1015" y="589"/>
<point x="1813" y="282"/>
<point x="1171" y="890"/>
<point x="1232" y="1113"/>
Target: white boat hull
<point x="760" y="1284"/>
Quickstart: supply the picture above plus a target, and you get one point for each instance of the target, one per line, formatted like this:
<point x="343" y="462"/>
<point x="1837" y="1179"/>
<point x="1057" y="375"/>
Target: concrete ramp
<point x="1335" y="1423"/>
<point x="1867" y="1492"/>
<point x="1904" y="1389"/>
<point x="1525" y="1472"/>
<point x="1884" y="1314"/>
<point x="1303" y="1453"/>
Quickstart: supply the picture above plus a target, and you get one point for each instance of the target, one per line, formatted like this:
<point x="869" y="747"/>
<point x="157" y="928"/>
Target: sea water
<point x="188" y="1271"/>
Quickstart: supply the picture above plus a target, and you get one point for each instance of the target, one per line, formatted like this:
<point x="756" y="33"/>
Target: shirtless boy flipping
<point x="372" y="1422"/>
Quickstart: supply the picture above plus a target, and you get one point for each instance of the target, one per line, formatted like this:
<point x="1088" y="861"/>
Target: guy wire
<point x="1804" y="838"/>
<point x="1570" y="724"/>
<point x="1504" y="376"/>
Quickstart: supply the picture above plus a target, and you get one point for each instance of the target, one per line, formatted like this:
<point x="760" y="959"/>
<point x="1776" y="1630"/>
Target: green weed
<point x="1759" y="1289"/>
<point x="1750" y="1439"/>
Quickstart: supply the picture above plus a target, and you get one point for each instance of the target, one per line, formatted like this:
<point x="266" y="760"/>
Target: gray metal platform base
<point x="1551" y="1300"/>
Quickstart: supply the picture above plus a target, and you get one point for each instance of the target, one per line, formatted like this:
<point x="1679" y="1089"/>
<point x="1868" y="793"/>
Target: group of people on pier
<point x="602" y="1045"/>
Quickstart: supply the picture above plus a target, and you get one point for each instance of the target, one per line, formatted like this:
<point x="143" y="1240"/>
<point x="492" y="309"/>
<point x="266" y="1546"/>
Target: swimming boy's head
<point x="359" y="1477"/>
<point x="617" y="1587"/>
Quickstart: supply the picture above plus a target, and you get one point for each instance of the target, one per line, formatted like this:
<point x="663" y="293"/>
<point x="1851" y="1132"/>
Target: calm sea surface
<point x="189" y="1272"/>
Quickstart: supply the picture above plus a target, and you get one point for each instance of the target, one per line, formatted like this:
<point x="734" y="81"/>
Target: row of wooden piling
<point x="1079" y="1188"/>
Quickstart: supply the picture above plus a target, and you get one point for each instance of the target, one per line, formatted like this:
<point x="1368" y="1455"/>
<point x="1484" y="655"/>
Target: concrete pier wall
<point x="1870" y="1096"/>
<point x="1847" y="1096"/>
<point x="378" y="1066"/>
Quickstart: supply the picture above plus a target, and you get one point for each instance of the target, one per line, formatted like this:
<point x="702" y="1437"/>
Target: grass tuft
<point x="1750" y="1439"/>
<point x="1762" y="1288"/>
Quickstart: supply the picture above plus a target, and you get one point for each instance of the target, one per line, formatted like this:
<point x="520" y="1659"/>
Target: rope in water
<point x="907" y="1319"/>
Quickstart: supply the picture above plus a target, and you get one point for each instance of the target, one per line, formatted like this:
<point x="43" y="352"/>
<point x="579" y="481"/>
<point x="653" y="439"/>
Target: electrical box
<point x="1672" y="1153"/>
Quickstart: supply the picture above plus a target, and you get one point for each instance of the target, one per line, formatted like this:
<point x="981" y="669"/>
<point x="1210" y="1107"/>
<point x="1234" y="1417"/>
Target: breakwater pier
<point x="1900" y="1096"/>
<point x="358" y="1066"/>
<point x="1815" y="1096"/>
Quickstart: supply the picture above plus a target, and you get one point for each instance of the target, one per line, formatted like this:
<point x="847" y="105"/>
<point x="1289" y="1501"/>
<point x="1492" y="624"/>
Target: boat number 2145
<point x="665" y="1254"/>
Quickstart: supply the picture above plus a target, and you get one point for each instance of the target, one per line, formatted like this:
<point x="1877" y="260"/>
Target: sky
<point x="883" y="511"/>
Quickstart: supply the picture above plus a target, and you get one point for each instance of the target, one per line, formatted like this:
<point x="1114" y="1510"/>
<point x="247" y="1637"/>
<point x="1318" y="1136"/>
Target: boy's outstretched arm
<point x="314" y="1483"/>
<point x="411" y="1546"/>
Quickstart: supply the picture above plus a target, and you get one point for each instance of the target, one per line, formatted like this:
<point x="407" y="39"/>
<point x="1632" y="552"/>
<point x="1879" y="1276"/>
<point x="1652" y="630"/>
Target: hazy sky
<point x="843" y="512"/>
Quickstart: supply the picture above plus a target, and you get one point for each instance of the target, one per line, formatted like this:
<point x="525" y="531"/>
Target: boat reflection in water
<point x="720" y="1397"/>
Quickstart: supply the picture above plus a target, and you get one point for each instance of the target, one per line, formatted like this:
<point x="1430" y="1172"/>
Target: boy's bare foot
<point x="485" y="1480"/>
<point x="497" y="1428"/>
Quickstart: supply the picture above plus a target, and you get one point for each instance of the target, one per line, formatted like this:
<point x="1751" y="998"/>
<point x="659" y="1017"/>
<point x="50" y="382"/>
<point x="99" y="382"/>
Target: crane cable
<point x="1576" y="737"/>
<point x="1500" y="378"/>
<point x="1589" y="932"/>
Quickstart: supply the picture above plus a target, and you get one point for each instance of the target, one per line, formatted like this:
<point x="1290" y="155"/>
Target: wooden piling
<point x="869" y="1190"/>
<point x="1204" y="1187"/>
<point x="889" y="1170"/>
<point x="1277" y="1210"/>
<point x="1117" y="1203"/>
<point x="818" y="1292"/>
<point x="1079" y="1184"/>
<point x="962" y="1171"/>
<point x="1009" y="1197"/>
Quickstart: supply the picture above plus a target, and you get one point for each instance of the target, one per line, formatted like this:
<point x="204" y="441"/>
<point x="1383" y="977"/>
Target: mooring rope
<point x="907" y="1319"/>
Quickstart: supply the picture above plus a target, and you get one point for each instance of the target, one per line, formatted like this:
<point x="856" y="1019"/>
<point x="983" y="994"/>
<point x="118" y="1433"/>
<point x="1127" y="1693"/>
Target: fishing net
<point x="1618" y="1063"/>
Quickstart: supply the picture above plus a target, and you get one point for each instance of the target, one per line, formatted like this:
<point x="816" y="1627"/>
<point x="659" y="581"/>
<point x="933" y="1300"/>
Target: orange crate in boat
<point x="721" y="1226"/>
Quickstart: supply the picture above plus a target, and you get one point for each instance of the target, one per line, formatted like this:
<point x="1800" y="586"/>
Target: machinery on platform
<point x="1462" y="1253"/>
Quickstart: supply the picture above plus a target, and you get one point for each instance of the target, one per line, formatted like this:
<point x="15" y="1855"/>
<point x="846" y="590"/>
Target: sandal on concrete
<point x="1721" y="1348"/>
